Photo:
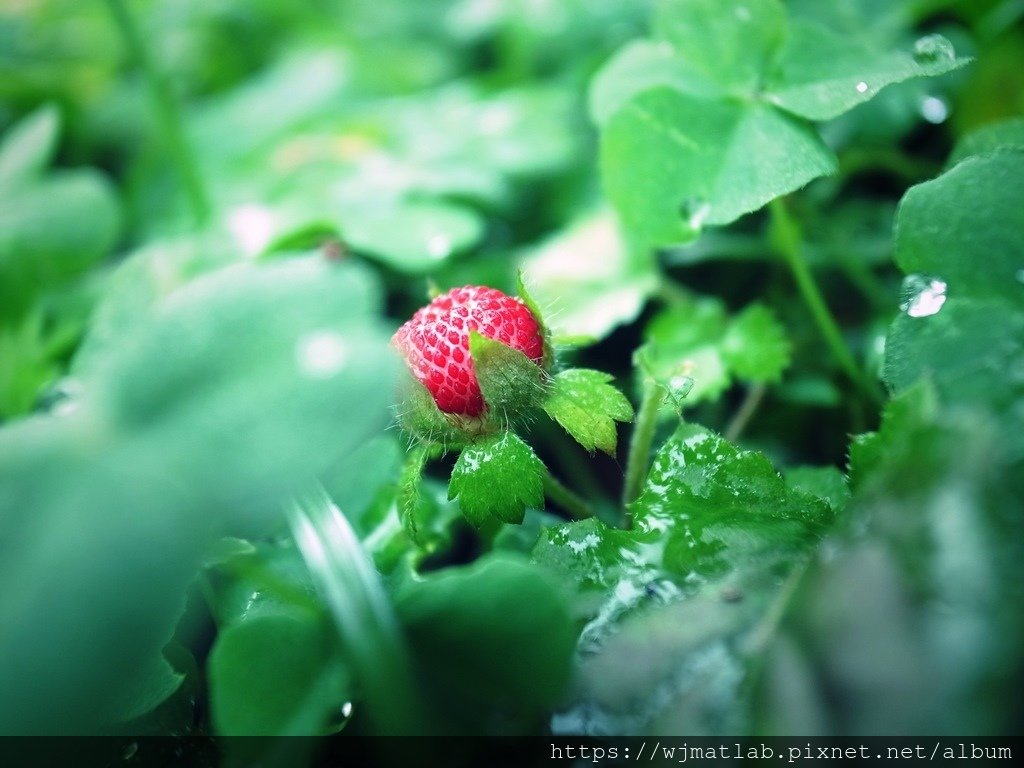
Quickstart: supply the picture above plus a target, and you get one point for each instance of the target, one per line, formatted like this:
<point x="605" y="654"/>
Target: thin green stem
<point x="640" y="446"/>
<point x="167" y="113"/>
<point x="788" y="242"/>
<point x="575" y="505"/>
<point x="745" y="412"/>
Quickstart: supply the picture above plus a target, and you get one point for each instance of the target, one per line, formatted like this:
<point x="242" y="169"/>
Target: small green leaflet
<point x="696" y="339"/>
<point x="755" y="347"/>
<point x="497" y="478"/>
<point x="587" y="407"/>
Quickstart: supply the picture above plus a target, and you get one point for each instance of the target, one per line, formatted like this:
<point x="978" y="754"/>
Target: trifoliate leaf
<point x="497" y="478"/>
<point x="673" y="162"/>
<point x="755" y="347"/>
<point x="511" y="383"/>
<point x="587" y="407"/>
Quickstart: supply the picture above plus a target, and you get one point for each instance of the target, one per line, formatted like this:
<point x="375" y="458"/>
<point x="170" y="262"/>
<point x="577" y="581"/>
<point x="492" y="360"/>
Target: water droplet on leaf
<point x="934" y="109"/>
<point x="862" y="87"/>
<point x="932" y="48"/>
<point x="922" y="296"/>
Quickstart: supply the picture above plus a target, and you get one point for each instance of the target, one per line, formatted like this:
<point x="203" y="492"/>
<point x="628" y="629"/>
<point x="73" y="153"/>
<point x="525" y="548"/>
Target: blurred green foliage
<point x="177" y="368"/>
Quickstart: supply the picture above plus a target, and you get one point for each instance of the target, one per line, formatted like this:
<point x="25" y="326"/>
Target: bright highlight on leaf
<point x="497" y="478"/>
<point x="587" y="407"/>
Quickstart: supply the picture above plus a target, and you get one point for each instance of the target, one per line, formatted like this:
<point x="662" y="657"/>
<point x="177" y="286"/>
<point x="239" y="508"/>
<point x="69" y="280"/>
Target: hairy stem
<point x="640" y="446"/>
<point x="167" y="113"/>
<point x="787" y="241"/>
<point x="575" y="505"/>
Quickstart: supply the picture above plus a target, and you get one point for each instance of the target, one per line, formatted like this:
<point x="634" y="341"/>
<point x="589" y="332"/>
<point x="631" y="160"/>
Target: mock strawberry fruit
<point x="436" y="343"/>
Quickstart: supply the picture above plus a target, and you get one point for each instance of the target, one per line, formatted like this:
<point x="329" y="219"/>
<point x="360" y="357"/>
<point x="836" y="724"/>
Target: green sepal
<point x="531" y="304"/>
<point x="408" y="497"/>
<point x="587" y="407"/>
<point x="497" y="478"/>
<point x="511" y="383"/>
<point x="419" y="415"/>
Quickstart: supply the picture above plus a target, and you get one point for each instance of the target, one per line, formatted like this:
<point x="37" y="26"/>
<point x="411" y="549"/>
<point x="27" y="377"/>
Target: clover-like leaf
<point x="587" y="407"/>
<point x="497" y="478"/>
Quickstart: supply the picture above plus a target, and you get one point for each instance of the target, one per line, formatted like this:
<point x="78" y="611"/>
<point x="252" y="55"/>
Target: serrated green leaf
<point x="28" y="147"/>
<point x="684" y="341"/>
<point x="716" y="532"/>
<point x="729" y="42"/>
<point x="756" y="347"/>
<point x="825" y="483"/>
<point x="587" y="407"/>
<point x="497" y="478"/>
<point x="820" y="74"/>
<point x="672" y="162"/>
<point x="724" y="508"/>
<point x="512" y="384"/>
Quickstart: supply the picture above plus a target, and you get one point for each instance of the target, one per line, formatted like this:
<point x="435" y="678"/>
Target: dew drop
<point x="321" y="354"/>
<point x="862" y="87"/>
<point x="252" y="226"/>
<point x="922" y="296"/>
<point x="933" y="48"/>
<point x="934" y="109"/>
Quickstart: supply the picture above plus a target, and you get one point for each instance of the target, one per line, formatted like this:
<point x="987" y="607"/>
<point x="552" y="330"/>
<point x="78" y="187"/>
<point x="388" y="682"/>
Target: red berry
<point x="435" y="342"/>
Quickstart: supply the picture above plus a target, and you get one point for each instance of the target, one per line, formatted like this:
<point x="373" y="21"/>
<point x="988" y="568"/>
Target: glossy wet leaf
<point x="587" y="406"/>
<point x="687" y="595"/>
<point x="968" y="336"/>
<point x="497" y="477"/>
